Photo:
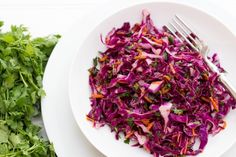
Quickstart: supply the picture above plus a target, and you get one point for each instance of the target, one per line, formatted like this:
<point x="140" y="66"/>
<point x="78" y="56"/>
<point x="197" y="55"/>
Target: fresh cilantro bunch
<point x="22" y="63"/>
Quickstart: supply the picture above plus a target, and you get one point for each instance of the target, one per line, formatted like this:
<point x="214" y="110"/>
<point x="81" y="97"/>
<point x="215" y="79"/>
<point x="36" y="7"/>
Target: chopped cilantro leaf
<point x="178" y="111"/>
<point x="130" y="122"/>
<point x="127" y="141"/>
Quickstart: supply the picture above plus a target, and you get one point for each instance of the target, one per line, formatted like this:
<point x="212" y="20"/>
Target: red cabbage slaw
<point x="156" y="91"/>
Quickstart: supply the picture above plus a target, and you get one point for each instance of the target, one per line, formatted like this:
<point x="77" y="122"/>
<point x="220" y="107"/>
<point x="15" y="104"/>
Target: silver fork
<point x="183" y="33"/>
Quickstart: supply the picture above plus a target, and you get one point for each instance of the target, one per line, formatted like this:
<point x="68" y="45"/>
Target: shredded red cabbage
<point x="156" y="91"/>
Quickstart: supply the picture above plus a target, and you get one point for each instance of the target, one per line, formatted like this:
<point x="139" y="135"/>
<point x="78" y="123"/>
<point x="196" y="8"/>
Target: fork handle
<point x="222" y="78"/>
<point x="228" y="85"/>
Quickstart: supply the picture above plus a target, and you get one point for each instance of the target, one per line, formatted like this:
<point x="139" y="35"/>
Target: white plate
<point x="218" y="37"/>
<point x="59" y="123"/>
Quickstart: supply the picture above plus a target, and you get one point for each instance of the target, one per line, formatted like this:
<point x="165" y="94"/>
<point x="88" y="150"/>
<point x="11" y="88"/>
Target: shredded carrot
<point x="142" y="91"/>
<point x="122" y="82"/>
<point x="136" y="27"/>
<point x="121" y="32"/>
<point x="181" y="91"/>
<point x="148" y="99"/>
<point x="117" y="63"/>
<point x="145" y="121"/>
<point x="214" y="104"/>
<point x="139" y="51"/>
<point x="158" y="41"/>
<point x="97" y="96"/>
<point x="186" y="147"/>
<point x="103" y="58"/>
<point x="172" y="69"/>
<point x="140" y="55"/>
<point x="193" y="132"/>
<point x="90" y="119"/>
<point x="178" y="137"/>
<point x="164" y="90"/>
<point x="130" y="133"/>
<point x="144" y="31"/>
<point x="224" y="125"/>
<point x="205" y="76"/>
<point x="167" y="78"/>
<point x="205" y="99"/>
<point x="150" y="125"/>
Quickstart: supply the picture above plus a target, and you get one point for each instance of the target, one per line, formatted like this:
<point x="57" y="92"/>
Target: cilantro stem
<point x="23" y="80"/>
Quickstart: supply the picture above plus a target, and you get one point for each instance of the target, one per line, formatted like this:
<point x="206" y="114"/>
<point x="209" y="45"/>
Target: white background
<point x="43" y="17"/>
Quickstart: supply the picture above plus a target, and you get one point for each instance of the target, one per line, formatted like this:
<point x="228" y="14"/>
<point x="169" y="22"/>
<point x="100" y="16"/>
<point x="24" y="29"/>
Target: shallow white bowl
<point x="218" y="37"/>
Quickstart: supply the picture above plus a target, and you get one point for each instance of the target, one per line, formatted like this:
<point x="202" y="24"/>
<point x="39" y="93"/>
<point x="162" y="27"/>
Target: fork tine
<point x="186" y="26"/>
<point x="185" y="31"/>
<point x="173" y="32"/>
<point x="185" y="38"/>
<point x="191" y="33"/>
<point x="188" y="35"/>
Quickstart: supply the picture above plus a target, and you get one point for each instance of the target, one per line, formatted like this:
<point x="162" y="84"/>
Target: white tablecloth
<point x="44" y="17"/>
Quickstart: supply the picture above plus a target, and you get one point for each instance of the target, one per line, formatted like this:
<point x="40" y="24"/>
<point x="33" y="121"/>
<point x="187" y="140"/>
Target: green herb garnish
<point x="100" y="52"/>
<point x="154" y="64"/>
<point x="157" y="114"/>
<point x="171" y="40"/>
<point x="129" y="34"/>
<point x="124" y="95"/>
<point x="130" y="122"/>
<point x="165" y="55"/>
<point x="146" y="106"/>
<point x="178" y="111"/>
<point x="197" y="122"/>
<point x="136" y="86"/>
<point x="127" y="141"/>
<point x="95" y="61"/>
<point x="22" y="64"/>
<point x="168" y="85"/>
<point x="222" y="103"/>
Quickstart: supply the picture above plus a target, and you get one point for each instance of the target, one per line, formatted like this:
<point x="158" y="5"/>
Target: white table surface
<point x="44" y="17"/>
